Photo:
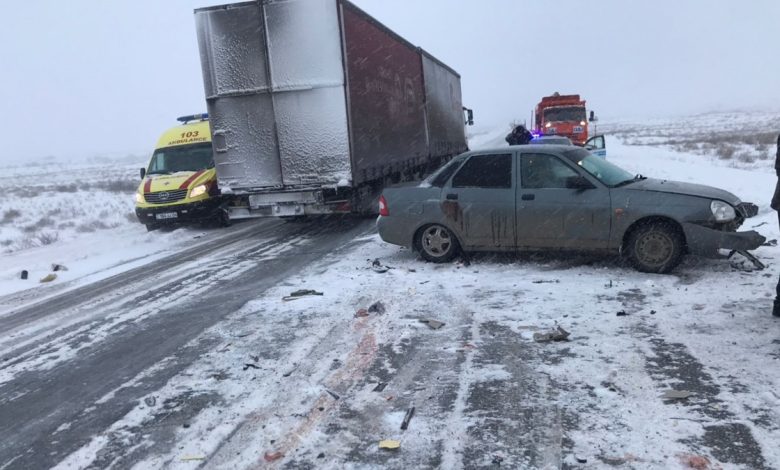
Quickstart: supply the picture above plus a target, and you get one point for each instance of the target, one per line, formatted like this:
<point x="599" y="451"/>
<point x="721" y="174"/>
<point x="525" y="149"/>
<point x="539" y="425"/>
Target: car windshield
<point x="571" y="113"/>
<point x="439" y="177"/>
<point x="606" y="172"/>
<point x="183" y="158"/>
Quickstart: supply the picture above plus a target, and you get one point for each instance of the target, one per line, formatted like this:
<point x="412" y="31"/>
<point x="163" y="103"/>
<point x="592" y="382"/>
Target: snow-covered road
<point x="207" y="366"/>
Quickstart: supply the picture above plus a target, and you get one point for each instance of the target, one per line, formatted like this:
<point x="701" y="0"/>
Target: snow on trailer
<point x="322" y="108"/>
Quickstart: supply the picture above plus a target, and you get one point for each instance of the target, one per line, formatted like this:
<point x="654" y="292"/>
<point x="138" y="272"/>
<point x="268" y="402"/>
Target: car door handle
<point x="452" y="197"/>
<point x="528" y="197"/>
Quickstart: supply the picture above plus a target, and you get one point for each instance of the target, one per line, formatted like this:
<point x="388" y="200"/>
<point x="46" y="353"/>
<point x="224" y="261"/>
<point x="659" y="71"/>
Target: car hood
<point x="688" y="189"/>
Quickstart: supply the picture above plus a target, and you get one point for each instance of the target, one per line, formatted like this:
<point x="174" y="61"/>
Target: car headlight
<point x="199" y="190"/>
<point x="722" y="211"/>
<point x="139" y="198"/>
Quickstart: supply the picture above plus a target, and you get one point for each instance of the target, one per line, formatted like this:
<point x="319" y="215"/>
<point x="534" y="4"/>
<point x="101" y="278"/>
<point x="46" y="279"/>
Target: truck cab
<point x="180" y="183"/>
<point x="563" y="115"/>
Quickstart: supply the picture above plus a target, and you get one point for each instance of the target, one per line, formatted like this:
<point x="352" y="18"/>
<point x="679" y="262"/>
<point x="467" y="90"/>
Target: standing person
<point x="776" y="206"/>
<point x="519" y="136"/>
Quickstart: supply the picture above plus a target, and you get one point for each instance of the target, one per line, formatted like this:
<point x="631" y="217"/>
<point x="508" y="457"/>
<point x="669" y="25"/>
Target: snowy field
<point x="291" y="384"/>
<point x="79" y="215"/>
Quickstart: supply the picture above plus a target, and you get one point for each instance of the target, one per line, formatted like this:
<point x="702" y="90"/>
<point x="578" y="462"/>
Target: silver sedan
<point x="551" y="197"/>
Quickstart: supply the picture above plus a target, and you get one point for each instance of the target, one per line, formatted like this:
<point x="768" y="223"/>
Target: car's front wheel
<point x="656" y="247"/>
<point x="437" y="243"/>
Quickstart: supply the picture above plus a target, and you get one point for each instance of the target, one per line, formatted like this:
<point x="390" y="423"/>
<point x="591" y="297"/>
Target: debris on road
<point x="301" y="293"/>
<point x="250" y="366"/>
<point x="361" y="313"/>
<point x="407" y="418"/>
<point x="622" y="313"/>
<point x="380" y="387"/>
<point x="580" y="459"/>
<point x="333" y="394"/>
<point x="192" y="458"/>
<point x="772" y="242"/>
<point x="745" y="261"/>
<point x="697" y="462"/>
<point x="287" y="374"/>
<point x="58" y="267"/>
<point x="551" y="281"/>
<point x="672" y="394"/>
<point x="434" y="324"/>
<point x="377" y="307"/>
<point x="272" y="456"/>
<point x="49" y="277"/>
<point x="389" y="444"/>
<point x="378" y="267"/>
<point x="150" y="401"/>
<point x="557" y="334"/>
<point x="225" y="348"/>
<point x="497" y="459"/>
<point x="24" y="275"/>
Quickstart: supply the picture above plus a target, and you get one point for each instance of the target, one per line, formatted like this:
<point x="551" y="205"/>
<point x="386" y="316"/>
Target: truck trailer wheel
<point x="223" y="218"/>
<point x="655" y="247"/>
<point x="437" y="243"/>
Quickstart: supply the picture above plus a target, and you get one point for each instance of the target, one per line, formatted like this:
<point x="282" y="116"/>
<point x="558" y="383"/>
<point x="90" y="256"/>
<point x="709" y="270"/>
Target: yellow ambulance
<point x="180" y="183"/>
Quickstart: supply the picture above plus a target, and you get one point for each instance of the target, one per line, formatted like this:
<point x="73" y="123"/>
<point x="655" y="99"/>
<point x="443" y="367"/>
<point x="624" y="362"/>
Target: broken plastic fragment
<point x="389" y="444"/>
<point x="49" y="278"/>
<point x="272" y="456"/>
<point x="301" y="293"/>
<point x="434" y="324"/>
<point x="676" y="394"/>
<point x="558" y="334"/>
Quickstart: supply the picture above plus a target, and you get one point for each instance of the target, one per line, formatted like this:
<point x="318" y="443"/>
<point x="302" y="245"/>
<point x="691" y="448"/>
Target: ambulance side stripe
<point x="189" y="180"/>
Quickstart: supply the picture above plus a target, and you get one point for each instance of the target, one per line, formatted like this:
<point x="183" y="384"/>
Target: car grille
<point x="164" y="197"/>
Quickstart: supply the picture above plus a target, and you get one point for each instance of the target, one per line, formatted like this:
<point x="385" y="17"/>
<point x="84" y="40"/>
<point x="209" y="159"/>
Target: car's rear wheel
<point x="437" y="243"/>
<point x="655" y="247"/>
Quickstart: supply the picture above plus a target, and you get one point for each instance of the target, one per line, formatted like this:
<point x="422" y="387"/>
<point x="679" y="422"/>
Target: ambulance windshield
<point x="182" y="158"/>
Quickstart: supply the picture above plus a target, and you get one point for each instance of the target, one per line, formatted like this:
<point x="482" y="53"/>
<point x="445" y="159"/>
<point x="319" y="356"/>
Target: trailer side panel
<point x="385" y="96"/>
<point x="444" y="108"/>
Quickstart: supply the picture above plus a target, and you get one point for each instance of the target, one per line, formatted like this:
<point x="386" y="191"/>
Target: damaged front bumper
<point x="706" y="242"/>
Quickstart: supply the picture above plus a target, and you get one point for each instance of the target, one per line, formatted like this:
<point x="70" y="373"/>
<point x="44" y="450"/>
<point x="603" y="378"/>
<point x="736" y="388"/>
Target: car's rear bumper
<point x="395" y="230"/>
<point x="705" y="241"/>
<point x="190" y="212"/>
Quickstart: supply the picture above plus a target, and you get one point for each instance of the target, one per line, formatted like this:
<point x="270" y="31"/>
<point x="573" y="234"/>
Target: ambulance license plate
<point x="166" y="215"/>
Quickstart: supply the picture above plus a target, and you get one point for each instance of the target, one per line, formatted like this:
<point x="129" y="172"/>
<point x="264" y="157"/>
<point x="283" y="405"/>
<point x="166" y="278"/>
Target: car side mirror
<point x="578" y="182"/>
<point x="143" y="173"/>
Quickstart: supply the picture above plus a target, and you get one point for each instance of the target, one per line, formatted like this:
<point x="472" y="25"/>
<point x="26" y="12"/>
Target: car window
<point x="441" y="176"/>
<point x="485" y="171"/>
<point x="539" y="170"/>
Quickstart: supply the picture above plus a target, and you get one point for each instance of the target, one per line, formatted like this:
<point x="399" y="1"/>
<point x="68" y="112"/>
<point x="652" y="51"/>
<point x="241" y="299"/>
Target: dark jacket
<point x="519" y="136"/>
<point x="777" y="157"/>
<point x="775" y="204"/>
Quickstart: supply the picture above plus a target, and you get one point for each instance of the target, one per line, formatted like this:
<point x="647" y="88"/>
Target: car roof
<point x="529" y="148"/>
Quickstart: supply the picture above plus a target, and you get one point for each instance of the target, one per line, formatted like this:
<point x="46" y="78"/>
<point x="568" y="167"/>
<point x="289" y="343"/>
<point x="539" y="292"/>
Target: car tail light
<point x="383" y="209"/>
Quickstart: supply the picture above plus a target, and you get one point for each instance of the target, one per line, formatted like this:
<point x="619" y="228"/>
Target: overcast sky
<point x="92" y="77"/>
